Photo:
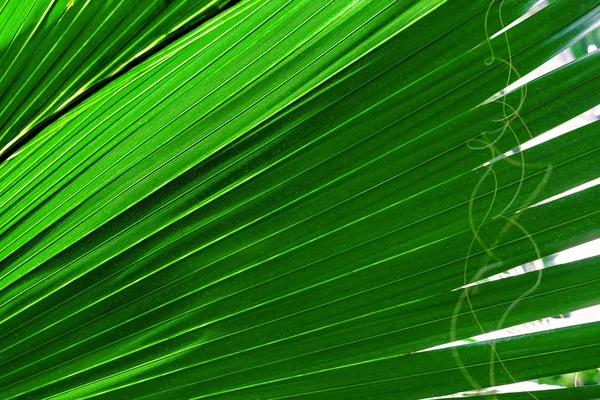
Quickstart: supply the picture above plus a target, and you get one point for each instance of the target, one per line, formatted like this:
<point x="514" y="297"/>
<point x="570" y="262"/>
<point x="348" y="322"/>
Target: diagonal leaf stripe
<point x="578" y="393"/>
<point x="63" y="49"/>
<point x="476" y="359"/>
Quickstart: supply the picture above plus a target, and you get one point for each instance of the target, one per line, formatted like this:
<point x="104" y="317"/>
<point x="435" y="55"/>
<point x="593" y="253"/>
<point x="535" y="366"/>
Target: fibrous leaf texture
<point x="269" y="199"/>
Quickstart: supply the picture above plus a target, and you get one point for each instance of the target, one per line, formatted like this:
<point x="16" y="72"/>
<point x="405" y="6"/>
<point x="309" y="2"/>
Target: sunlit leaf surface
<point x="272" y="199"/>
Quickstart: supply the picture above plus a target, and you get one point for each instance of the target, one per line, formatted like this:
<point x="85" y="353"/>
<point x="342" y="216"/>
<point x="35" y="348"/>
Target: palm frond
<point x="282" y="200"/>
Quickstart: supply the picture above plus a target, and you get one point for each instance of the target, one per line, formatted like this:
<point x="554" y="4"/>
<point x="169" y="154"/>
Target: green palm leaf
<point x="280" y="200"/>
<point x="57" y="51"/>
